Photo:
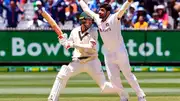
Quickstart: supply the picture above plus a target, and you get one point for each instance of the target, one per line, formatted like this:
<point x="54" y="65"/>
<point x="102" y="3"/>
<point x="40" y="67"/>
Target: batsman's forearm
<point x="88" y="46"/>
<point x="65" y="44"/>
<point x="124" y="7"/>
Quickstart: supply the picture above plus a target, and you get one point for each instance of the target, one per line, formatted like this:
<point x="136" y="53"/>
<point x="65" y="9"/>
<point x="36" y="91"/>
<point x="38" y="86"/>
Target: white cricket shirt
<point x="111" y="33"/>
<point x="110" y="29"/>
<point x="83" y="38"/>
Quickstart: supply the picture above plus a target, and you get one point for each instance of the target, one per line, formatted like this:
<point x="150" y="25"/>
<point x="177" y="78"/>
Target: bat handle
<point x="60" y="36"/>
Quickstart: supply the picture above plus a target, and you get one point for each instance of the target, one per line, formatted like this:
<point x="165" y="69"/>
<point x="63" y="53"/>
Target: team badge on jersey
<point x="107" y="24"/>
<point x="106" y="29"/>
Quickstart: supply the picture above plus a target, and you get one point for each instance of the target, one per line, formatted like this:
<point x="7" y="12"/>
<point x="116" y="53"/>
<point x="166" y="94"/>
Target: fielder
<point x="116" y="57"/>
<point x="85" y="58"/>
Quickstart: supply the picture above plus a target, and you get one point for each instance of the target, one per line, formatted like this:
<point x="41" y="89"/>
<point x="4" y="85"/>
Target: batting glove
<point x="69" y="45"/>
<point x="63" y="39"/>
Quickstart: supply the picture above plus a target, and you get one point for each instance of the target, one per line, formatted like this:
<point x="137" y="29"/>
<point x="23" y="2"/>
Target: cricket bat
<point x="52" y="23"/>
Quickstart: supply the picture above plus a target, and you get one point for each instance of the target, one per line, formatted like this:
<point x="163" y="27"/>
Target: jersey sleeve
<point x="122" y="10"/>
<point x="71" y="36"/>
<point x="116" y="17"/>
<point x="70" y="39"/>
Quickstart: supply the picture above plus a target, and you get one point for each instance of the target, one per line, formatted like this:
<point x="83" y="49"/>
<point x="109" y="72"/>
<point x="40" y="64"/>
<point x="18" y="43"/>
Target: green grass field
<point x="36" y="87"/>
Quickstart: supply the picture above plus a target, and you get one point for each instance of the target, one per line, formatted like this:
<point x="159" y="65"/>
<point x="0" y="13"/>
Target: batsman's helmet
<point x="83" y="16"/>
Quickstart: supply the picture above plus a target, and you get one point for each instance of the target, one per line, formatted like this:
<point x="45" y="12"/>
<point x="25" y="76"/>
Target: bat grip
<point x="60" y="36"/>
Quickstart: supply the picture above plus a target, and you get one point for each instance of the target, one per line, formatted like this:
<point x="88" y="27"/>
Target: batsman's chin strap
<point x="84" y="29"/>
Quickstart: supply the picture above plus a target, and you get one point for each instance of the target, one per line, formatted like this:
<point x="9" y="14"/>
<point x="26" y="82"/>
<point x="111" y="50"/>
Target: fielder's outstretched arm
<point x="124" y="7"/>
<point x="86" y="9"/>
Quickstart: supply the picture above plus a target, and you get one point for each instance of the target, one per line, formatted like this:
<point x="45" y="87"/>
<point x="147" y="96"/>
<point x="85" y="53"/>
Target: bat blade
<point x="52" y="23"/>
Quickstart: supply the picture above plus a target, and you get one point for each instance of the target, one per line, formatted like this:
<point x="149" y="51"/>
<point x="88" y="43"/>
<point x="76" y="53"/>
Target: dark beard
<point x="102" y="17"/>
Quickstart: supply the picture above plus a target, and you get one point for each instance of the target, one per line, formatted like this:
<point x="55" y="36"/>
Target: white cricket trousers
<point x="93" y="68"/>
<point x="119" y="61"/>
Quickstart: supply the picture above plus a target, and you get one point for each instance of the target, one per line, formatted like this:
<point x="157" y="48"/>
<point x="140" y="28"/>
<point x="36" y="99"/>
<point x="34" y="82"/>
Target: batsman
<point x="85" y="58"/>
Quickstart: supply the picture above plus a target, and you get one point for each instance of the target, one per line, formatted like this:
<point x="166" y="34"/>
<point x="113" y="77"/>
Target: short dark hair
<point x="106" y="6"/>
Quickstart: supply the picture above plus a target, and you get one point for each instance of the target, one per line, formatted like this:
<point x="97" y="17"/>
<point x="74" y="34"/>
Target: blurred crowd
<point x="142" y="14"/>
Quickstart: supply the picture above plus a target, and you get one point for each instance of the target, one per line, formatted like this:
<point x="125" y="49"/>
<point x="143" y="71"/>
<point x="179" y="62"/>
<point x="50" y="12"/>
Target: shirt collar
<point x="79" y="30"/>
